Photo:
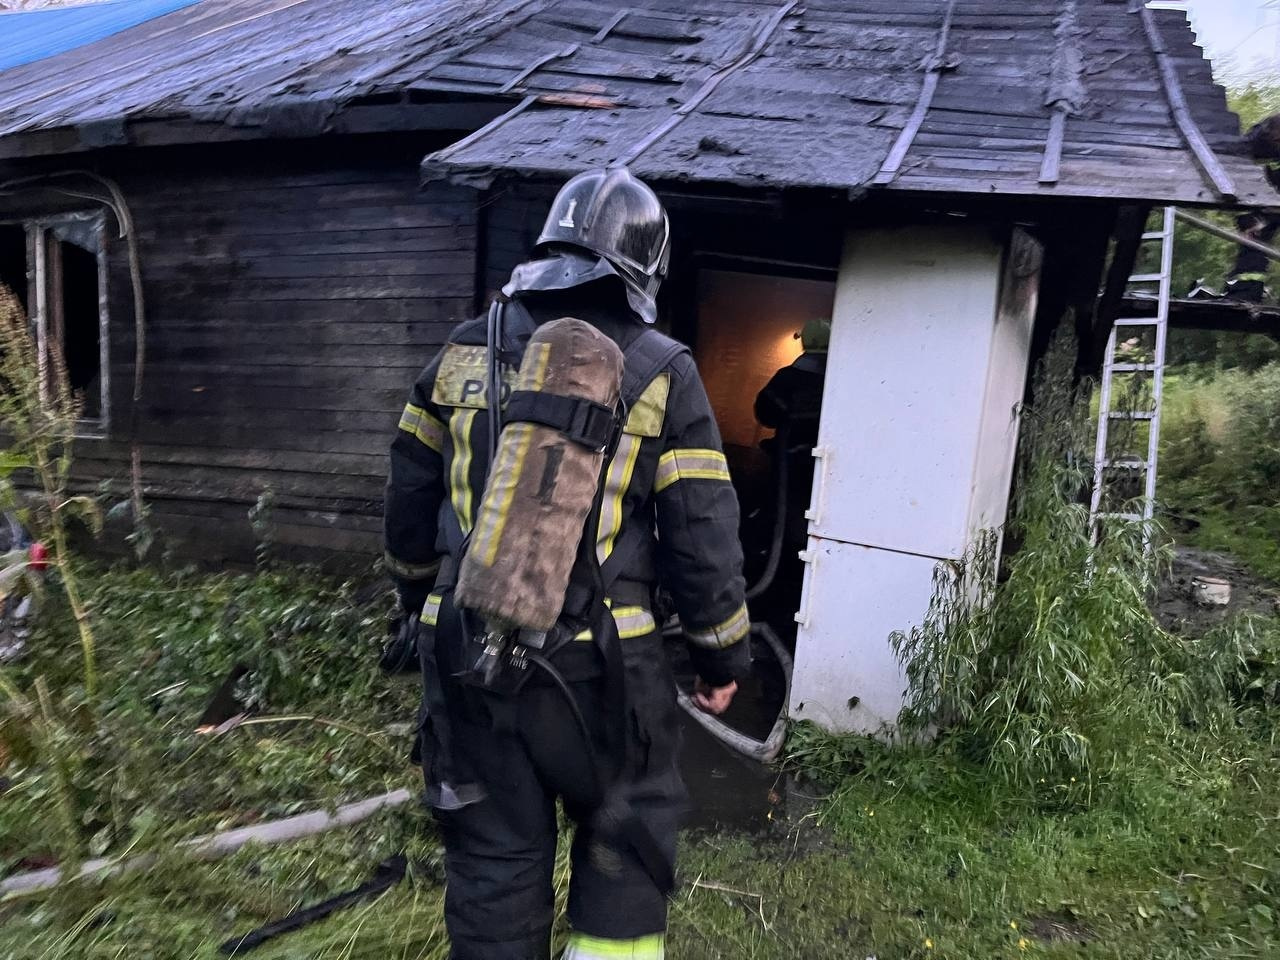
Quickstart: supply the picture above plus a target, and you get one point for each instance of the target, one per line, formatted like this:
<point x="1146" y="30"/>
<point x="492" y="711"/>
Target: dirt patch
<point x="1178" y="611"/>
<point x="1059" y="928"/>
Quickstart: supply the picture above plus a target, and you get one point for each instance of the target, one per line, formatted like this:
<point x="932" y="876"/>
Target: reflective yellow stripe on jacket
<point x="677" y="465"/>
<point x="632" y="622"/>
<point x="460" y="469"/>
<point x="431" y="610"/>
<point x="410" y="571"/>
<point x="418" y="423"/>
<point x="643" y="421"/>
<point x="616" y="483"/>
<point x="505" y="474"/>
<point x="723" y="634"/>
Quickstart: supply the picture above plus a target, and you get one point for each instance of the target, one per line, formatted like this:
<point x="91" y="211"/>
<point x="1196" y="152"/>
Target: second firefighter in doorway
<point x="791" y="404"/>
<point x="543" y="671"/>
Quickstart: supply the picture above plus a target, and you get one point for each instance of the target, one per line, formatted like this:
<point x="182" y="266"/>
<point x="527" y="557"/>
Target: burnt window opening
<point x="56" y="267"/>
<point x="13" y="260"/>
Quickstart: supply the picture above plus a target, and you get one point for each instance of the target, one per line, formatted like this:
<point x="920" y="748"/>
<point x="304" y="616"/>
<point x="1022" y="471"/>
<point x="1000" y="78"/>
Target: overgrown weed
<point x="38" y="414"/>
<point x="137" y="773"/>
<point x="1057" y="671"/>
<point x="1220" y="473"/>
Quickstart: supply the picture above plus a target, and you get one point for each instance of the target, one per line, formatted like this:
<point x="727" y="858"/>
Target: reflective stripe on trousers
<point x="583" y="947"/>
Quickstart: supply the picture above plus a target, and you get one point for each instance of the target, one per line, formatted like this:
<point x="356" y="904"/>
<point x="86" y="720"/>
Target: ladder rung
<point x="1155" y="235"/>
<point x="1122" y="516"/>
<point x="1118" y="464"/>
<point x="1135" y="367"/>
<point x="1146" y="277"/>
<point x="1139" y="322"/>
<point x="1132" y="415"/>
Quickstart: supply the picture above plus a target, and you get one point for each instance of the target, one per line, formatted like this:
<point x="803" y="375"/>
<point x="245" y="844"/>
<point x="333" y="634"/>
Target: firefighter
<point x="1247" y="281"/>
<point x="599" y="730"/>
<point x="793" y="394"/>
<point x="791" y="404"/>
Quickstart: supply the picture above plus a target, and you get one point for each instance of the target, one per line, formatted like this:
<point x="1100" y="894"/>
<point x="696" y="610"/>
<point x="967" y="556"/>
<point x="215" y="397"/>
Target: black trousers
<point x="527" y="752"/>
<point x="1262" y="226"/>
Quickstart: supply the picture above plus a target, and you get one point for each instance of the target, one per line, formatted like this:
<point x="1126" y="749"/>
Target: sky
<point x="1241" y="36"/>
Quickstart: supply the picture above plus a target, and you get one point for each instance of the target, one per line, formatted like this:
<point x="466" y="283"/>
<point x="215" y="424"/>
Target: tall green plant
<point x="1056" y="671"/>
<point x="38" y="413"/>
<point x="1220" y="462"/>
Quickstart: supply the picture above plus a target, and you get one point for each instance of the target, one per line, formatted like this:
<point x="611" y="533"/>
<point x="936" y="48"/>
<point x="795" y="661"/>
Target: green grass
<point x="882" y="868"/>
<point x="131" y="768"/>
<point x="185" y="910"/>
<point x="887" y="868"/>
<point x="916" y="853"/>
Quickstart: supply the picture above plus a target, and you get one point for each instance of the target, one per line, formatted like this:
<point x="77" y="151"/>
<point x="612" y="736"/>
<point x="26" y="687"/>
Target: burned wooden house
<point x="316" y="190"/>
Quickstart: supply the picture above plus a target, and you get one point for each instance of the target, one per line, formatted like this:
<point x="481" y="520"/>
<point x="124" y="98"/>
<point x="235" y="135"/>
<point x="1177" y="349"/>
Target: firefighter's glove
<point x="400" y="655"/>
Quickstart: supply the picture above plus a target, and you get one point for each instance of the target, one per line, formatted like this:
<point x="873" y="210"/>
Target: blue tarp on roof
<point x="26" y="37"/>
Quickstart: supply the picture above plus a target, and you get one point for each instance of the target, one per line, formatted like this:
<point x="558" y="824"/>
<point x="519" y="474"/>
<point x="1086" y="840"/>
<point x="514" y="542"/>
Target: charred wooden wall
<point x="511" y="218"/>
<point x="292" y="294"/>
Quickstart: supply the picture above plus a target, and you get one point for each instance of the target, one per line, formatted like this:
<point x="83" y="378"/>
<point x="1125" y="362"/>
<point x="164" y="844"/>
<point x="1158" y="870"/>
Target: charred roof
<point x="1079" y="98"/>
<point x="237" y="69"/>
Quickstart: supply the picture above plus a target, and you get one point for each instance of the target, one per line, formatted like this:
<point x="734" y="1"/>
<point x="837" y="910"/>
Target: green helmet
<point x="816" y="335"/>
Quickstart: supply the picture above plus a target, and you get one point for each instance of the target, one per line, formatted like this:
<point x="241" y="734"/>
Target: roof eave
<point x="482" y="176"/>
<point x="282" y="120"/>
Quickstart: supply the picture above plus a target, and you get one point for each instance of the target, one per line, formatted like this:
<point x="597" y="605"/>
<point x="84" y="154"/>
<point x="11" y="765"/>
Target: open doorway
<point x="747" y="328"/>
<point x="748" y="343"/>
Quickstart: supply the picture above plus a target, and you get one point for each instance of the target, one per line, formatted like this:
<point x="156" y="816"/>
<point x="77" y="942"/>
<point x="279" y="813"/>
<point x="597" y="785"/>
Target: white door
<point x="927" y="363"/>
<point x="906" y="381"/>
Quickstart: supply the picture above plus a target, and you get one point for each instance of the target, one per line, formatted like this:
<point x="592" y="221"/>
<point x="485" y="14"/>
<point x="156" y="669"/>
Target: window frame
<point x="38" y="230"/>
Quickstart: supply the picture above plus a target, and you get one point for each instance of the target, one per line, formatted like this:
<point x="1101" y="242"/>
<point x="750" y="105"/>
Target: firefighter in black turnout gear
<point x="1247" y="279"/>
<point x="594" y="724"/>
<point x="791" y="404"/>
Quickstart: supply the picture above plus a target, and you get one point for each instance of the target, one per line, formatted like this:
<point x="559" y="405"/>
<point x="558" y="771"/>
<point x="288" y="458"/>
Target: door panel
<point x="846" y="675"/>
<point x="907" y="379"/>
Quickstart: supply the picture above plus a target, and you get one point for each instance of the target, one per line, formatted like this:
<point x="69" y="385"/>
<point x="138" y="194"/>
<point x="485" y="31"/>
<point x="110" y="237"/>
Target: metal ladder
<point x="1106" y="465"/>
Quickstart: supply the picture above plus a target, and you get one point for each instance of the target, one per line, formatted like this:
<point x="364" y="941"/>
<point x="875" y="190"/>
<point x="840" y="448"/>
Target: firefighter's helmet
<point x="816" y="335"/>
<point x="615" y="217"/>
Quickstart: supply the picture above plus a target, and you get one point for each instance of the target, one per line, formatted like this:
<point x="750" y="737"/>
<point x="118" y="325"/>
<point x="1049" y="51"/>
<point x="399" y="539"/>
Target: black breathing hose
<point x="494" y="335"/>
<point x="781" y="477"/>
